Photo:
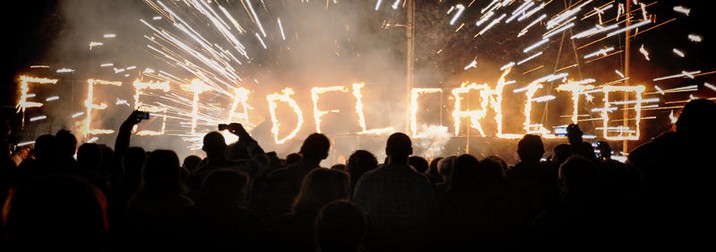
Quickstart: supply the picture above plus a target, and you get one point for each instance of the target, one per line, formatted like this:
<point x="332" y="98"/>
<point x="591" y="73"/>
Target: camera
<point x="141" y="115"/>
<point x="223" y="126"/>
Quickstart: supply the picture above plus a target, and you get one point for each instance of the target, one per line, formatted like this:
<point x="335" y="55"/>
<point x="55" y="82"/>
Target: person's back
<point x="340" y="226"/>
<point x="677" y="169"/>
<point x="153" y="214"/>
<point x="56" y="212"/>
<point x="399" y="201"/>
<point x="534" y="188"/>
<point x="294" y="231"/>
<point x="282" y="185"/>
<point x="220" y="220"/>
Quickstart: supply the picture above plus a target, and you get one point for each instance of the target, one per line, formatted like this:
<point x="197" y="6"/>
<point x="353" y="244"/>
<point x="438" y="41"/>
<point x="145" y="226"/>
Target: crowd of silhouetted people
<point x="63" y="197"/>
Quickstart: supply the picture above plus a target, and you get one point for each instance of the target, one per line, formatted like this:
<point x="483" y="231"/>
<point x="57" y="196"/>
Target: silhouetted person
<point x="360" y="162"/>
<point x="282" y="185"/>
<point x="47" y="158"/>
<point x="320" y="186"/>
<point x="68" y="148"/>
<point x="579" y="146"/>
<point x="419" y="163"/>
<point x="191" y="162"/>
<point x="89" y="165"/>
<point x="619" y="181"/>
<point x="581" y="220"/>
<point x="535" y="189"/>
<point x="478" y="208"/>
<point x="220" y="221"/>
<point x="293" y="158"/>
<point x="340" y="167"/>
<point x="58" y="212"/>
<point x="444" y="169"/>
<point x="245" y="155"/>
<point x="123" y="187"/>
<point x="153" y="214"/>
<point x="400" y="202"/>
<point x="340" y="226"/>
<point x="677" y="168"/>
<point x="433" y="172"/>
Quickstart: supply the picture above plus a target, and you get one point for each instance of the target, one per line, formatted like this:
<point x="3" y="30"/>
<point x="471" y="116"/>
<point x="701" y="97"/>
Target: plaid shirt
<point x="400" y="202"/>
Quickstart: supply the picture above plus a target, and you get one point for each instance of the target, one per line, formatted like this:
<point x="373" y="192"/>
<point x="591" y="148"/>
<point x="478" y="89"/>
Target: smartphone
<point x="141" y="115"/>
<point x="223" y="126"/>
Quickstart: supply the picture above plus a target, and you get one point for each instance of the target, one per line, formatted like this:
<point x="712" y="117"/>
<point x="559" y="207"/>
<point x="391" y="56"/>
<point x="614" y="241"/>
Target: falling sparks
<point x="95" y="44"/>
<point x="472" y="64"/>
<point x="706" y="84"/>
<point x="695" y="38"/>
<point x="682" y="10"/>
<point x="678" y="52"/>
<point x="460" y="8"/>
<point x="672" y="118"/>
<point x="643" y="51"/>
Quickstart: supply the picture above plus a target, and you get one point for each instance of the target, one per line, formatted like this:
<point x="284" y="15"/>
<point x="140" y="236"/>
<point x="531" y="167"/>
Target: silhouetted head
<point x="319" y="187"/>
<point x="293" y="158"/>
<point x="574" y="133"/>
<point x="61" y="211"/>
<point x="579" y="177"/>
<point x="226" y="187"/>
<point x="89" y="156"/>
<point x="133" y="161"/>
<point x="340" y="226"/>
<point x="68" y="142"/>
<point x="191" y="162"/>
<point x="214" y="143"/>
<point x="399" y="145"/>
<point x="340" y="167"/>
<point x="419" y="163"/>
<point x="236" y="151"/>
<point x="162" y="174"/>
<point x="46" y="147"/>
<point x="697" y="121"/>
<point x="605" y="151"/>
<point x="445" y="166"/>
<point x="530" y="148"/>
<point x="561" y="152"/>
<point x="315" y="147"/>
<point x="492" y="167"/>
<point x="464" y="173"/>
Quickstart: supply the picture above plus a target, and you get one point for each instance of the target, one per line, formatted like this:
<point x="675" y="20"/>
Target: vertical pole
<point x="627" y="52"/>
<point x="410" y="35"/>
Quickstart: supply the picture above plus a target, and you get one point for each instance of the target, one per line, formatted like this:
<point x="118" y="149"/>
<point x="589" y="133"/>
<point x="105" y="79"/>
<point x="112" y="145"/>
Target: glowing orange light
<point x="317" y="113"/>
<point x="23" y="104"/>
<point x="90" y="105"/>
<point x="361" y="116"/>
<point x="241" y="96"/>
<point x="414" y="94"/>
<point x="285" y="96"/>
<point x="474" y="115"/>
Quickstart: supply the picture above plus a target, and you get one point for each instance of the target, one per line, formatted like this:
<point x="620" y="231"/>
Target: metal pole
<point x="410" y="35"/>
<point x="627" y="51"/>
